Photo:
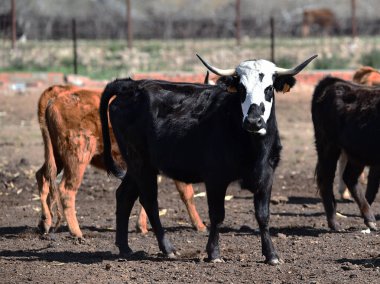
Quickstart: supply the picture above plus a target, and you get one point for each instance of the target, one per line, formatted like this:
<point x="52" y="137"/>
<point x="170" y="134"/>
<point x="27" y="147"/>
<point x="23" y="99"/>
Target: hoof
<point x="334" y="226"/>
<point x="138" y="255"/>
<point x="214" y="260"/>
<point x="217" y="260"/>
<point x="43" y="227"/>
<point x="371" y="225"/>
<point x="346" y="196"/>
<point x="172" y="255"/>
<point x="274" y="261"/>
<point x="141" y="231"/>
<point x="202" y="229"/>
<point x="81" y="240"/>
<point x="128" y="256"/>
<point x="125" y="253"/>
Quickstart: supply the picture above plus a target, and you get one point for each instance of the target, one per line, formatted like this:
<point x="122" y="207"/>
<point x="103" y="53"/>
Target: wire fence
<point x="46" y="28"/>
<point x="168" y="44"/>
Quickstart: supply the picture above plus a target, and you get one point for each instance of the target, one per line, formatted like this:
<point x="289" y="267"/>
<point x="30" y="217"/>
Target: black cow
<point x="197" y="133"/>
<point x="346" y="117"/>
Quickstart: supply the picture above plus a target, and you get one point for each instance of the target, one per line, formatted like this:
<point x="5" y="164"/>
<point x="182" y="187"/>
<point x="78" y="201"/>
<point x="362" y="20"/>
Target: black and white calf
<point x="197" y="133"/>
<point x="346" y="117"/>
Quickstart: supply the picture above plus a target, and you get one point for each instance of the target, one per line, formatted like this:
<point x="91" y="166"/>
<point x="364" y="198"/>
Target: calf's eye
<point x="242" y="91"/>
<point x="268" y="93"/>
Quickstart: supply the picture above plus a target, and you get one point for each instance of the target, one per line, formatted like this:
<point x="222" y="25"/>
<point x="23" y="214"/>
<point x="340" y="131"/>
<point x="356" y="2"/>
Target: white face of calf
<point x="256" y="88"/>
<point x="256" y="77"/>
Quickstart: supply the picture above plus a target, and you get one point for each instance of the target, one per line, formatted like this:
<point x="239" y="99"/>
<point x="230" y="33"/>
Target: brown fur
<point x="367" y="75"/>
<point x="323" y="18"/>
<point x="71" y="131"/>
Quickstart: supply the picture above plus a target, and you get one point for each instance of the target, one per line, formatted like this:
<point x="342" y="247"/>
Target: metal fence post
<point x="272" y="38"/>
<point x="13" y="15"/>
<point x="129" y="25"/>
<point x="237" y="22"/>
<point x="353" y="19"/>
<point x="75" y="54"/>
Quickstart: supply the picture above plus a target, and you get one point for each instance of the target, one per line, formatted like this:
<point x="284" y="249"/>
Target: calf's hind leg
<point x="147" y="184"/>
<point x="186" y="192"/>
<point x="46" y="177"/>
<point x="342" y="188"/>
<point x="44" y="187"/>
<point x="373" y="184"/>
<point x="126" y="195"/>
<point x="68" y="188"/>
<point x="325" y="173"/>
<point x="215" y="200"/>
<point x="351" y="176"/>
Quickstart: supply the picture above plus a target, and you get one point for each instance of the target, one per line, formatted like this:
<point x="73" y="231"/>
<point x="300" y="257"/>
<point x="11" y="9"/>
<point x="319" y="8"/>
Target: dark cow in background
<point x="197" y="133"/>
<point x="71" y="131"/>
<point x="365" y="75"/>
<point x="346" y="117"/>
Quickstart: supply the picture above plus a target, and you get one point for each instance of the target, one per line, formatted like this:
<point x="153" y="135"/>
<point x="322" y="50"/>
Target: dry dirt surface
<point x="311" y="253"/>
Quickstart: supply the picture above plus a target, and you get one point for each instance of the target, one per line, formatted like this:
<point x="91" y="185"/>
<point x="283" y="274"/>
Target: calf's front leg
<point x="261" y="202"/>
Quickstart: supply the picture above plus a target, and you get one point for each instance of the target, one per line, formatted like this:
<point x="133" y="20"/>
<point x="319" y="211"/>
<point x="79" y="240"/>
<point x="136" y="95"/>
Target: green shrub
<point x="151" y="47"/>
<point x="331" y="62"/>
<point x="371" y="58"/>
<point x="117" y="46"/>
<point x="286" y="62"/>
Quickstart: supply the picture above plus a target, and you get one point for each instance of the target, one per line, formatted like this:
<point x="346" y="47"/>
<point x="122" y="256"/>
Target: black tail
<point x="112" y="89"/>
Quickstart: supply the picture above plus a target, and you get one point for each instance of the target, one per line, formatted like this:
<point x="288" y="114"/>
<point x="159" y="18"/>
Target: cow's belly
<point x="362" y="144"/>
<point x="197" y="161"/>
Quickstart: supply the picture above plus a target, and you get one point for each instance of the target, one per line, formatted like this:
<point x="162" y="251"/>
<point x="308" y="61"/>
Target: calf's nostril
<point x="257" y="121"/>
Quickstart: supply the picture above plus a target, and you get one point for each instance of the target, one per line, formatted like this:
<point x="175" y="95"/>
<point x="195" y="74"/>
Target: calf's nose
<point x="255" y="122"/>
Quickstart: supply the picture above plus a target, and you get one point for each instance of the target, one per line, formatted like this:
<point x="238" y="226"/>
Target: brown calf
<point x="324" y="18"/>
<point x="71" y="131"/>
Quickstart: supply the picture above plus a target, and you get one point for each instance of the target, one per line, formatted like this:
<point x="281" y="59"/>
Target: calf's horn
<point x="217" y="71"/>
<point x="295" y="70"/>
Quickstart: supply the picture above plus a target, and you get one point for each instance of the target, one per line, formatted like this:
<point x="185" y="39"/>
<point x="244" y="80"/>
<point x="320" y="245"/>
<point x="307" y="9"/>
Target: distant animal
<point x="369" y="76"/>
<point x="197" y="133"/>
<point x="322" y="18"/>
<point x="346" y="118"/>
<point x="71" y="131"/>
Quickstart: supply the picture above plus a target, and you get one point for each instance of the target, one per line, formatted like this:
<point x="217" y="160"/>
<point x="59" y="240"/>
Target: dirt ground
<point x="311" y="253"/>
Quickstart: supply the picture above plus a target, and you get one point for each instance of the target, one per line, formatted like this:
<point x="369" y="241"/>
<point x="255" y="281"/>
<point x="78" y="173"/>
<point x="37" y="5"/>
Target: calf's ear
<point x="228" y="83"/>
<point x="284" y="83"/>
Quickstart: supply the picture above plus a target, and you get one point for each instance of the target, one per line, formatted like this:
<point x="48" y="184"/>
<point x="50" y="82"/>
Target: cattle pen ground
<point x="311" y="253"/>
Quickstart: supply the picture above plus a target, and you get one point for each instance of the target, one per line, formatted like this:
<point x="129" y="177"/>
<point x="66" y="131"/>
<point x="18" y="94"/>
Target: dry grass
<point x="107" y="59"/>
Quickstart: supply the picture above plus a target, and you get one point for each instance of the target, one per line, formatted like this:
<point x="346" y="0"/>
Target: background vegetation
<point x="105" y="59"/>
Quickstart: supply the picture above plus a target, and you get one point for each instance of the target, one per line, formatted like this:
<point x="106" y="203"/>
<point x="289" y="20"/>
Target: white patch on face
<point x="248" y="72"/>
